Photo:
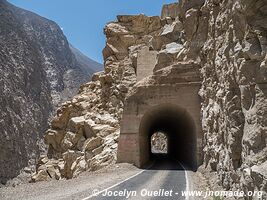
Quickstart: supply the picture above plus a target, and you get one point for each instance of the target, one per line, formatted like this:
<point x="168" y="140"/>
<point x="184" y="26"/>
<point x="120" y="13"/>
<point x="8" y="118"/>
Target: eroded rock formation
<point x="85" y="131"/>
<point x="225" y="41"/>
<point x="234" y="92"/>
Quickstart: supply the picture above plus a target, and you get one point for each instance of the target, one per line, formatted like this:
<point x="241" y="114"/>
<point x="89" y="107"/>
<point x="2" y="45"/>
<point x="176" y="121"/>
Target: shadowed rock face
<point x="38" y="71"/>
<point x="88" y="65"/>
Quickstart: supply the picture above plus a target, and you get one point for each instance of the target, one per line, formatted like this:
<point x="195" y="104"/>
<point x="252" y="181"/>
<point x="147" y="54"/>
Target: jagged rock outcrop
<point x="225" y="41"/>
<point x="38" y="71"/>
<point x="234" y="92"/>
<point x="84" y="133"/>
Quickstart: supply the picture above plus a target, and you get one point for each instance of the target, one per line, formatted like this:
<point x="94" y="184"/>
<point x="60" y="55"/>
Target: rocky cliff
<point x="38" y="71"/>
<point x="84" y="133"/>
<point x="234" y="92"/>
<point x="225" y="39"/>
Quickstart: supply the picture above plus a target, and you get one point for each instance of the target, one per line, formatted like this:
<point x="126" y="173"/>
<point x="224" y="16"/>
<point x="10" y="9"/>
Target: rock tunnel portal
<point x="179" y="128"/>
<point x="167" y="102"/>
<point x="184" y="138"/>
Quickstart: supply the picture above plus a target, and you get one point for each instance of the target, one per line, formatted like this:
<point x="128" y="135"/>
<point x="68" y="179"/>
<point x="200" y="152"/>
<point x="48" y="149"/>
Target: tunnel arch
<point x="178" y="125"/>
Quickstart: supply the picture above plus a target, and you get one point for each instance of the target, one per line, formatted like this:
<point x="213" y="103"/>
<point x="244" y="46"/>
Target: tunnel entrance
<point x="179" y="130"/>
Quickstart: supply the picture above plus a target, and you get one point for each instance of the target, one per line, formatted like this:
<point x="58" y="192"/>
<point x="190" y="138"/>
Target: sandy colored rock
<point x="76" y="124"/>
<point x="92" y="143"/>
<point x="170" y="10"/>
<point x="54" y="138"/>
<point x="88" y="128"/>
<point x="219" y="45"/>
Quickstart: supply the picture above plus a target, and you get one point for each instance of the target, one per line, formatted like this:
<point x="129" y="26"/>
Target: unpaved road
<point x="167" y="176"/>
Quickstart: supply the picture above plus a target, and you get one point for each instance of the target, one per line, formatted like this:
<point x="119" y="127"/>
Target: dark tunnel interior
<point x="179" y="129"/>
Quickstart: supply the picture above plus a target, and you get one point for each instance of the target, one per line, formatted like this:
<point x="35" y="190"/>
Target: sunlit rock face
<point x="84" y="133"/>
<point x="221" y="44"/>
<point x="234" y="92"/>
<point x="37" y="72"/>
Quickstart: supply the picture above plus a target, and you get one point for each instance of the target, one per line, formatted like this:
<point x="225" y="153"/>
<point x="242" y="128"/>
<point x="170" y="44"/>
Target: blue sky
<point x="83" y="20"/>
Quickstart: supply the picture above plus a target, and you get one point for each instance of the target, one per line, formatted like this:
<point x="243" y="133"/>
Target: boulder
<point x="79" y="166"/>
<point x="54" y="138"/>
<point x="108" y="119"/>
<point x="61" y="120"/>
<point x="70" y="140"/>
<point x="76" y="124"/>
<point x="115" y="29"/>
<point x="115" y="47"/>
<point x="92" y="143"/>
<point x="88" y="128"/>
<point x="80" y="143"/>
<point x="172" y="48"/>
<point x="53" y="172"/>
<point x="103" y="130"/>
<point x="167" y="56"/>
<point x="171" y="31"/>
<point x="42" y="160"/>
<point x="69" y="158"/>
<point x="47" y="169"/>
<point x="40" y="175"/>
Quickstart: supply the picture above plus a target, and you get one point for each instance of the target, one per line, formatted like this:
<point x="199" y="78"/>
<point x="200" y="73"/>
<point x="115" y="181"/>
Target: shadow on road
<point x="164" y="162"/>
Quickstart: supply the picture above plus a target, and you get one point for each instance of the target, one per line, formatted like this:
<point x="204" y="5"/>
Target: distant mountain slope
<point x="37" y="72"/>
<point x="88" y="65"/>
